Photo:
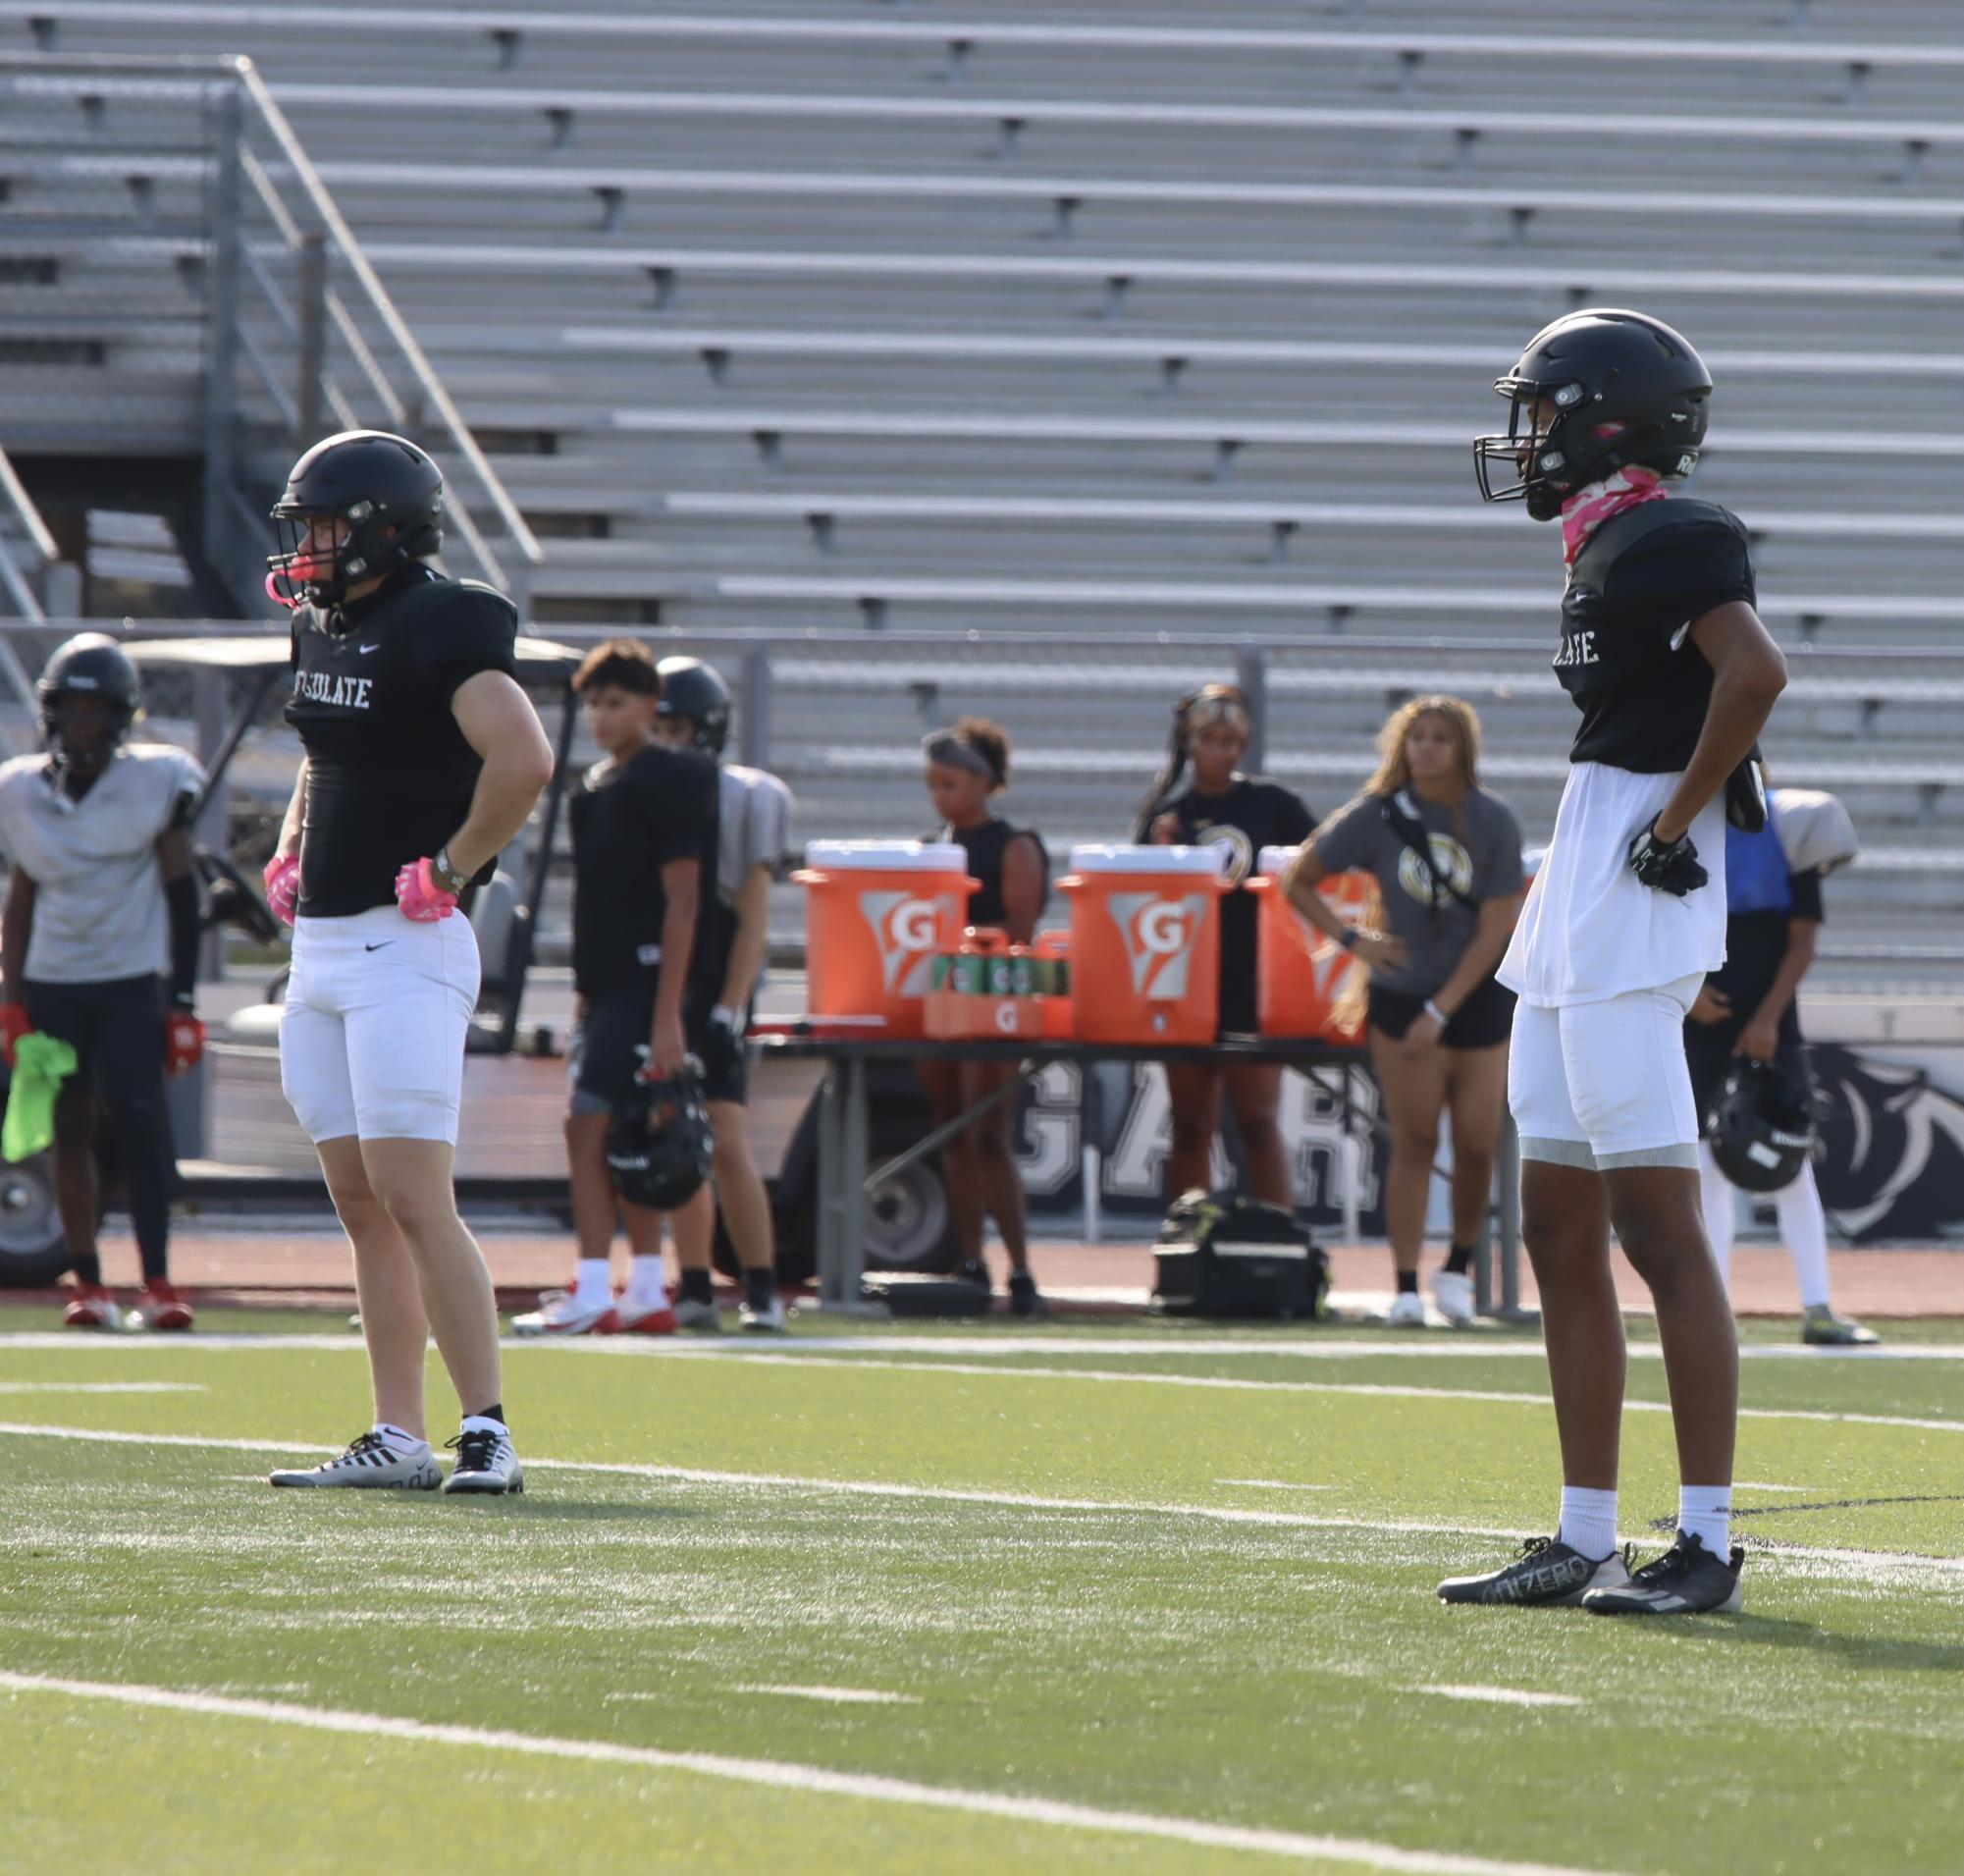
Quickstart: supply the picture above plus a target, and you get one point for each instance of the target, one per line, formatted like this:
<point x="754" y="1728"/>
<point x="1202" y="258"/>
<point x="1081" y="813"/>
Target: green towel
<point x="41" y="1063"/>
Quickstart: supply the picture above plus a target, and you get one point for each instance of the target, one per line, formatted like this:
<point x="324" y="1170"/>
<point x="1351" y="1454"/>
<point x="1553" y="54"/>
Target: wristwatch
<point x="446" y="873"/>
<point x="1346" y="939"/>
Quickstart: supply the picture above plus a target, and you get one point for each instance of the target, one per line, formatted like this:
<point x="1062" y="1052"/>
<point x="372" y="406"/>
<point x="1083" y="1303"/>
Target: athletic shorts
<point x="372" y="1035"/>
<point x="603" y="1057"/>
<point x="1605" y="1084"/>
<point x="1483" y="1021"/>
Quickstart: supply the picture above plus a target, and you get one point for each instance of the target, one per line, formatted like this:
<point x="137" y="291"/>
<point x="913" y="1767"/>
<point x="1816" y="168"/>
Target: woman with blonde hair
<point x="1445" y="855"/>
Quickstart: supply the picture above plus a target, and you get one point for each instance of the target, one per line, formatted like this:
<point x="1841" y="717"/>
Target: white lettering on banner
<point x="322" y="687"/>
<point x="1047" y="1153"/>
<point x="1158" y="935"/>
<point x="905" y="929"/>
<point x="1325" y="1157"/>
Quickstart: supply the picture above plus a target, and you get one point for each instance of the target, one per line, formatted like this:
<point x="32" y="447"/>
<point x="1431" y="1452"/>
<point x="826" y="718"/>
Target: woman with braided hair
<point x="1201" y="798"/>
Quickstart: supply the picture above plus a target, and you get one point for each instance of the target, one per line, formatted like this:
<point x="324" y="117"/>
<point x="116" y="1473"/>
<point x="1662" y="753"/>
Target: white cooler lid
<point x="887" y="856"/>
<point x="1174" y="860"/>
<point x="1274" y="859"/>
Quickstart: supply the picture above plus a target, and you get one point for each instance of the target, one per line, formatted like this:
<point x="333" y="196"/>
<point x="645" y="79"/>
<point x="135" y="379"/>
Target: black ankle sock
<point x="495" y="1412"/>
<point x="1407" y="1283"/>
<point x="88" y="1270"/>
<point x="761" y="1286"/>
<point x="698" y="1286"/>
<point x="1460" y="1260"/>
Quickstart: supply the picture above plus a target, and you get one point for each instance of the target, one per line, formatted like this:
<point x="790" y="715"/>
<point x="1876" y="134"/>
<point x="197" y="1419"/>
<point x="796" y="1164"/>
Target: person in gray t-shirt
<point x="1445" y="854"/>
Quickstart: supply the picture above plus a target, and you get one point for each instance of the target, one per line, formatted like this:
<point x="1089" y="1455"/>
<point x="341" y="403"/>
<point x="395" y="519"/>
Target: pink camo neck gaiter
<point x="1588" y="508"/>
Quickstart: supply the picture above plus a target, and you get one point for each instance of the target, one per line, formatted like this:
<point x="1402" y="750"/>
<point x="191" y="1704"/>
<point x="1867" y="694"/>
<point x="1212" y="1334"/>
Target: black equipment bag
<point x="1222" y="1254"/>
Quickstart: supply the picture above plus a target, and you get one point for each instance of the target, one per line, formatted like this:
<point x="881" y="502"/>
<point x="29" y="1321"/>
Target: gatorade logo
<point x="905" y="930"/>
<point x="1158" y="935"/>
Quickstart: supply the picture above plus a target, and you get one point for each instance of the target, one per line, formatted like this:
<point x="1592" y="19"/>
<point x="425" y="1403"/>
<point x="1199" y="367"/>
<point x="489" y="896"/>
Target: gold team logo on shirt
<point x="1455" y="865"/>
<point x="1238" y="860"/>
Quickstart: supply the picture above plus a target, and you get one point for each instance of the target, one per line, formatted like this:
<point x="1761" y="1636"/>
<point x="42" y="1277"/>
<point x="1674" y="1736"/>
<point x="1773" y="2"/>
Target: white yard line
<point x="102" y="1387"/>
<point x="1760" y="1486"/>
<point x="1501" y="1696"/>
<point x="780" y="1775"/>
<point x="839" y="1696"/>
<point x="1275" y="1484"/>
<point x="1007" y="1345"/>
<point x="1390" y="1390"/>
<point x="1865" y="1564"/>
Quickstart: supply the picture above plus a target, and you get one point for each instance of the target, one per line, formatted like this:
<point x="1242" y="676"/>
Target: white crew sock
<point x="1719" y="1202"/>
<point x="595" y="1282"/>
<point x="1588" y="1521"/>
<point x="399" y="1439"/>
<point x="484" y="1424"/>
<point x="1803" y="1226"/>
<point x="1705" y="1512"/>
<point x="647" y="1287"/>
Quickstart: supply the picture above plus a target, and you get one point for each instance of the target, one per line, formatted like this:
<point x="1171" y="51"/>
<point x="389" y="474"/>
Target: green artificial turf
<point x="1056" y="1582"/>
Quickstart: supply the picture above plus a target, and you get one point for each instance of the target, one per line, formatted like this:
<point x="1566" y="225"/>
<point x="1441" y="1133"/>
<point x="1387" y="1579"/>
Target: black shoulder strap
<point x="1411" y="830"/>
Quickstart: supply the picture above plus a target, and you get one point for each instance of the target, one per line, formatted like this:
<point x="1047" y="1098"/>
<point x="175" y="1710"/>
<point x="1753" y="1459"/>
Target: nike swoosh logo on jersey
<point x="369" y="648"/>
<point x="377" y="947"/>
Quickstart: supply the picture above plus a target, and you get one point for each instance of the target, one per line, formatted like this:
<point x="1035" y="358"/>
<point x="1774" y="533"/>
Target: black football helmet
<point x="696" y="691"/>
<point x="659" y="1142"/>
<point x="1602" y="369"/>
<point x="89" y="665"/>
<point x="1761" y="1127"/>
<point x="388" y="493"/>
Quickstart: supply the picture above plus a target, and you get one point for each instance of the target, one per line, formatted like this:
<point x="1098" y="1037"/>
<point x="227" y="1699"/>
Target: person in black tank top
<point x="967" y="766"/>
<point x="1201" y="798"/>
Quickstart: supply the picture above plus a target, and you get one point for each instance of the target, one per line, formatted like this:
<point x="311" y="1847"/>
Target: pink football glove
<point x="420" y="897"/>
<point x="282" y="886"/>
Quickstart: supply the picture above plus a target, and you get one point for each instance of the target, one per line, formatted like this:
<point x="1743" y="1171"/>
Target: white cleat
<point x="487" y="1464"/>
<point x="564" y="1313"/>
<point x="1408" y="1311"/>
<point x="693" y="1314"/>
<point x="1452" y="1296"/>
<point x="368" y="1462"/>
<point x="769" y="1321"/>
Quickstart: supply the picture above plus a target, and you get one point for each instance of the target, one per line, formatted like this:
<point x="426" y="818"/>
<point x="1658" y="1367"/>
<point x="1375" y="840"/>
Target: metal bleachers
<point x="1105" y="320"/>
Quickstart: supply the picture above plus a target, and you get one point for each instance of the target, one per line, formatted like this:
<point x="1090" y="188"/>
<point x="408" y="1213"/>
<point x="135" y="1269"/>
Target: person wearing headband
<point x="967" y="767"/>
<point x="1201" y="797"/>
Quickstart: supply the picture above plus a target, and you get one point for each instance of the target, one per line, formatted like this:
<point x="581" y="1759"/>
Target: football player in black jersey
<point x="1201" y="799"/>
<point x="423" y="759"/>
<point x="967" y="768"/>
<point x="644" y="829"/>
<point x="1674" y="675"/>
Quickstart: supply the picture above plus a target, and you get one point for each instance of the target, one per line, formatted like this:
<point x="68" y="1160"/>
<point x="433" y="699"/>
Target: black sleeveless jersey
<point x="390" y="774"/>
<point x="1627" y="658"/>
<point x="984" y="846"/>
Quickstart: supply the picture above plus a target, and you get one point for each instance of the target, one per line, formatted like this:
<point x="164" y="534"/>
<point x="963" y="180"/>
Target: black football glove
<point x="1667" y="866"/>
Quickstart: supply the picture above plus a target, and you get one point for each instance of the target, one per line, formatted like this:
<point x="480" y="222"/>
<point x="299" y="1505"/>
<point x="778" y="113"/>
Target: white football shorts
<point x="1604" y="1084"/>
<point x="372" y="1035"/>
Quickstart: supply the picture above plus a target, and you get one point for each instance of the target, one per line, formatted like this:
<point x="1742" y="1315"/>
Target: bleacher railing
<point x="301" y="336"/>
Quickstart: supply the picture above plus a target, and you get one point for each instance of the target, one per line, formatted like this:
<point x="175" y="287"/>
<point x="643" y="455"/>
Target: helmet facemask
<point x="364" y="546"/>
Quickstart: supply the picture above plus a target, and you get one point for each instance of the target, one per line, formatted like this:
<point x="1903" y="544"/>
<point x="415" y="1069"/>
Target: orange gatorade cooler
<point x="875" y="914"/>
<point x="1146" y="943"/>
<point x="1299" y="972"/>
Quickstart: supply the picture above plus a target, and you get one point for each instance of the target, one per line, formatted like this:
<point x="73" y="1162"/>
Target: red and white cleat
<point x="564" y="1313"/>
<point x="637" y="1321"/>
<point x="161" y="1309"/>
<point x="92" y="1308"/>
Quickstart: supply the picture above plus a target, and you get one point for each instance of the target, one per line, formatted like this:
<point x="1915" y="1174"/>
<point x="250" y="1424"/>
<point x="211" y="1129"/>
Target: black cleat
<point x="1547" y="1574"/>
<point x="1025" y="1299"/>
<point x="1686" y="1580"/>
<point x="974" y="1271"/>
